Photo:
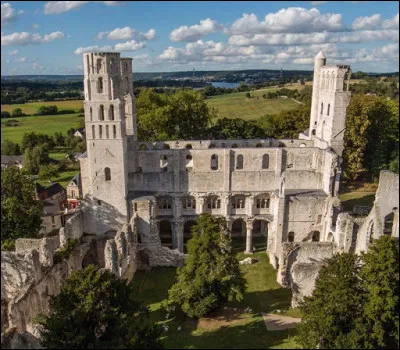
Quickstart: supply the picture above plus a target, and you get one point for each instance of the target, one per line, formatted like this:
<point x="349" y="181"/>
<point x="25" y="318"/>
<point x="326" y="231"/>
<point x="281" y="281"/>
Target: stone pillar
<point x="249" y="237"/>
<point x="177" y="209"/>
<point x="201" y="201"/>
<point x="177" y="235"/>
<point x="250" y="206"/>
<point x="225" y="205"/>
<point x="111" y="256"/>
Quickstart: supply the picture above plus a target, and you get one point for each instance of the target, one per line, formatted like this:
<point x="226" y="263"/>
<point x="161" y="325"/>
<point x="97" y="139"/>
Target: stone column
<point x="225" y="205"/>
<point x="249" y="237"/>
<point x="200" y="202"/>
<point x="177" y="235"/>
<point x="177" y="207"/>
<point x="250" y="206"/>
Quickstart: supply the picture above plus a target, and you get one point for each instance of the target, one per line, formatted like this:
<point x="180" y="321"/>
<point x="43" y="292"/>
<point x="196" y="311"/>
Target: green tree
<point x="10" y="148"/>
<point x="378" y="327"/>
<point x="248" y="94"/>
<point x="5" y="114"/>
<point x="226" y="128"/>
<point x="20" y="212"/>
<point x="17" y="112"/>
<point x="97" y="310"/>
<point x="32" y="139"/>
<point x="329" y="315"/>
<point x="211" y="275"/>
<point x="34" y="158"/>
<point x="48" y="172"/>
<point x="47" y="110"/>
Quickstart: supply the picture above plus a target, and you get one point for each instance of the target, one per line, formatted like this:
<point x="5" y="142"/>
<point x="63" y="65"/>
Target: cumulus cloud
<point x="391" y="23"/>
<point x="289" y="20"/>
<point x="127" y="33"/>
<point x="21" y="59"/>
<point x="13" y="53"/>
<point x="57" y="7"/>
<point x="25" y="38"/>
<point x="8" y="14"/>
<point x="195" y="32"/>
<point x="367" y="22"/>
<point x="318" y="3"/>
<point x="132" y="45"/>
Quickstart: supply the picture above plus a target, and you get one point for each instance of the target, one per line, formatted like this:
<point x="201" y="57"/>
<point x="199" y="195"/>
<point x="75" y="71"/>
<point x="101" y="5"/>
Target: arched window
<point x="291" y="236"/>
<point x="100" y="131"/>
<point x="101" y="112"/>
<point x="313" y="132"/>
<point x="114" y="131"/>
<point x="112" y="66"/>
<point x="329" y="107"/>
<point x="322" y="108"/>
<point x="189" y="203"/>
<point x="165" y="203"/>
<point x="107" y="132"/>
<point x="98" y="65"/>
<point x="315" y="236"/>
<point x="263" y="202"/>
<point x="214" y="162"/>
<point x="107" y="174"/>
<point x="213" y="202"/>
<point x="265" y="161"/>
<point x="189" y="162"/>
<point x="371" y="232"/>
<point x="91" y="113"/>
<point x="239" y="162"/>
<point x="111" y="113"/>
<point x="93" y="132"/>
<point x="238" y="202"/>
<point x="100" y="85"/>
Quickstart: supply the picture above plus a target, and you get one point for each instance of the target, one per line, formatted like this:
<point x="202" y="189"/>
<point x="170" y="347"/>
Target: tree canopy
<point x="211" y="275"/>
<point x="20" y="212"/>
<point x="97" y="310"/>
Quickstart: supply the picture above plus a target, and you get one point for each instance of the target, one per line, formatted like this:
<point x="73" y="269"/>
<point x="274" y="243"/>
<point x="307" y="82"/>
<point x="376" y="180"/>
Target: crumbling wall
<point x="73" y="228"/>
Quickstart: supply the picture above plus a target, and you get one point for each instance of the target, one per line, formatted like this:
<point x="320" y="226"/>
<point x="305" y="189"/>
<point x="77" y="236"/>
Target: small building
<point x="51" y="217"/>
<point x="6" y="161"/>
<point x="80" y="133"/>
<point x="54" y="191"/>
<point x="74" y="192"/>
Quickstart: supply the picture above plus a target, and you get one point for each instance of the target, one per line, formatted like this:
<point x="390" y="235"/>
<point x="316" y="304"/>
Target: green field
<point x="228" y="327"/>
<point x="47" y="124"/>
<point x="32" y="107"/>
<point x="237" y="105"/>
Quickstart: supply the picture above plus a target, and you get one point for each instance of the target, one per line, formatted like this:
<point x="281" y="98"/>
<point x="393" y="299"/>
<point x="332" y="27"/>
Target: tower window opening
<point x="107" y="174"/>
<point x="98" y="65"/>
<point x="100" y="131"/>
<point x="91" y="113"/>
<point x="322" y="108"/>
<point x="239" y="162"/>
<point x="329" y="107"/>
<point x="101" y="112"/>
<point x="291" y="236"/>
<point x="214" y="162"/>
<point x="114" y="131"/>
<point x="265" y="161"/>
<point x="263" y="203"/>
<point x="93" y="132"/>
<point x="111" y="113"/>
<point x="107" y="132"/>
<point x="100" y="86"/>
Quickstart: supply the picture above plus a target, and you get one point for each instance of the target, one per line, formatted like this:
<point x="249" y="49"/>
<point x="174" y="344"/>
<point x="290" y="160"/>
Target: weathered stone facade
<point x="282" y="189"/>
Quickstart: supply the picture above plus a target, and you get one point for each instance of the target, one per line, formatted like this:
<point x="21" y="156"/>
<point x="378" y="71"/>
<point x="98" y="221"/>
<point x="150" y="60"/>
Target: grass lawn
<point x="237" y="105"/>
<point x="48" y="124"/>
<point x="360" y="193"/>
<point x="32" y="107"/>
<point x="228" y="327"/>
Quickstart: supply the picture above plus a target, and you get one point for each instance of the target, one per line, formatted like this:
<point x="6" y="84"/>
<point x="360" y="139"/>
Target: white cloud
<point x="289" y="20"/>
<point x="37" y="67"/>
<point x="127" y="33"/>
<point x="21" y="59"/>
<point x="195" y="32"/>
<point x="95" y="48"/>
<point x="8" y="14"/>
<point x="24" y="38"/>
<point x="308" y="60"/>
<point x="368" y="36"/>
<point x="57" y="7"/>
<point x="132" y="45"/>
<point x="13" y="53"/>
<point x="391" y="23"/>
<point x="127" y="46"/>
<point x="367" y="22"/>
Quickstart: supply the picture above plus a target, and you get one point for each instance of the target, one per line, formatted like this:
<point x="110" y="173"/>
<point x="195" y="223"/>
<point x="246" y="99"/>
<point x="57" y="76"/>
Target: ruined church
<point x="284" y="190"/>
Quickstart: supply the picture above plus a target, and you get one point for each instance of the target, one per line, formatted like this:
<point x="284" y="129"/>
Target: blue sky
<point x="39" y="37"/>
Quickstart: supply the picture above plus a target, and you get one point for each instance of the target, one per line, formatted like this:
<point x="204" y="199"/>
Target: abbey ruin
<point x="142" y="198"/>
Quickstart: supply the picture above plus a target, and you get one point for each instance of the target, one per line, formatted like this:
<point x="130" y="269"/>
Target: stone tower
<point x="109" y="118"/>
<point x="330" y="99"/>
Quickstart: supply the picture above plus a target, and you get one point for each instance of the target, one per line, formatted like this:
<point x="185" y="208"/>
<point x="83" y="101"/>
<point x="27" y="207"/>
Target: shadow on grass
<point x="366" y="200"/>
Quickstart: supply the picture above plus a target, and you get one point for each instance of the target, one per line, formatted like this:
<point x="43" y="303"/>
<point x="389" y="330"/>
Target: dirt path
<point x="275" y="322"/>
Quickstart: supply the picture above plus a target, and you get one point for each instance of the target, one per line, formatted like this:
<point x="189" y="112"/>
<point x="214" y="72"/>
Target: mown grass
<point x="237" y="105"/>
<point x="228" y="327"/>
<point x="32" y="107"/>
<point x="357" y="193"/>
<point x="47" y="124"/>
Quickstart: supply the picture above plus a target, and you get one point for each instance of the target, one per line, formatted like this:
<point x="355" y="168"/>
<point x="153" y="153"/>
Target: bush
<point x="64" y="252"/>
<point x="17" y="112"/>
<point x="5" y="114"/>
<point x="8" y="245"/>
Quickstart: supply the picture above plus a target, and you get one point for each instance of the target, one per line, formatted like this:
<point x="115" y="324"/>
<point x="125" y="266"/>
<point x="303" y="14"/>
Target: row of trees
<point x="42" y="110"/>
<point x="355" y="304"/>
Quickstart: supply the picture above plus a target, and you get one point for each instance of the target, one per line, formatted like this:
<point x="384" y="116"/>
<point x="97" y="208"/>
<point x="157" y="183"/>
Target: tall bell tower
<point x="109" y="119"/>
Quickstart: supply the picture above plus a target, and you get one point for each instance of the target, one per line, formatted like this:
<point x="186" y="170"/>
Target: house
<point x="80" y="133"/>
<point x="54" y="191"/>
<point x="51" y="217"/>
<point x="11" y="160"/>
<point x="74" y="192"/>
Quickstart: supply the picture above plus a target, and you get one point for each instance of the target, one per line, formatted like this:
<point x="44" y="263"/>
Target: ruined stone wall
<point x="73" y="228"/>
